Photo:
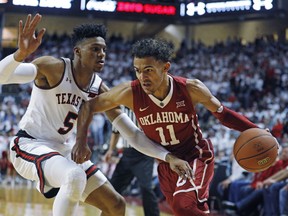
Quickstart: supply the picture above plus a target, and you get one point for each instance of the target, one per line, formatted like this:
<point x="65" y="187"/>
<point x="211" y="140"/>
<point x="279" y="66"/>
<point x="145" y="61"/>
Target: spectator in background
<point x="237" y="178"/>
<point x="4" y="165"/>
<point x="277" y="129"/>
<point x="226" y="141"/>
<point x="283" y="200"/>
<point x="273" y="185"/>
<point x="251" y="196"/>
<point x="285" y="129"/>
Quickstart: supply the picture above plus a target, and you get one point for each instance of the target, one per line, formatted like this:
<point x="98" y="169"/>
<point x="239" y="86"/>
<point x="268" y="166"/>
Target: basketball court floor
<point x="22" y="199"/>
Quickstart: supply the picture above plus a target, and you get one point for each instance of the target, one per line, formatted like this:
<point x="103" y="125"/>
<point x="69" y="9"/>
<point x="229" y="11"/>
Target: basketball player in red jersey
<point x="60" y="85"/>
<point x="165" y="109"/>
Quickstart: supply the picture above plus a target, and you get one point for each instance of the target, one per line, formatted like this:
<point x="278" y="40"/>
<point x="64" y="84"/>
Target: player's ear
<point x="76" y="50"/>
<point x="167" y="66"/>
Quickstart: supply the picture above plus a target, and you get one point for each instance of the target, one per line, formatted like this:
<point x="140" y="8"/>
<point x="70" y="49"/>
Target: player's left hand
<point x="80" y="153"/>
<point x="181" y="167"/>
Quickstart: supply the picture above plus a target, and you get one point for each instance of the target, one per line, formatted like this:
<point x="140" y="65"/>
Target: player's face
<point x="150" y="73"/>
<point x="92" y="53"/>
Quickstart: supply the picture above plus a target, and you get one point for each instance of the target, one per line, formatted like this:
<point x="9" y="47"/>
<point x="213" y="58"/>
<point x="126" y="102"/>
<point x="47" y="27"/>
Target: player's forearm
<point x="113" y="141"/>
<point x="85" y="116"/>
<point x="281" y="175"/>
<point x="7" y="67"/>
<point x="20" y="56"/>
<point x="169" y="157"/>
<point x="137" y="139"/>
<point x="234" y="120"/>
<point x="12" y="71"/>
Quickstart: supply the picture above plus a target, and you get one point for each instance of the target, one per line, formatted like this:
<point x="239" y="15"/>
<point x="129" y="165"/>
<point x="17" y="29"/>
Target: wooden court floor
<point x="23" y="199"/>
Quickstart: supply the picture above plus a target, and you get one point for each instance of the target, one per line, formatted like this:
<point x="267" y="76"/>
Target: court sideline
<point x="22" y="199"/>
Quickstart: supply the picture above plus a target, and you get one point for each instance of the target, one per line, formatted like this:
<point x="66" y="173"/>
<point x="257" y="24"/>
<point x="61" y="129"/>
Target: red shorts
<point x="189" y="197"/>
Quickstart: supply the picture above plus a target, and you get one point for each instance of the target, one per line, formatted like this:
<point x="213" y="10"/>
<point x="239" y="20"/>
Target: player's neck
<point x="82" y="76"/>
<point x="164" y="89"/>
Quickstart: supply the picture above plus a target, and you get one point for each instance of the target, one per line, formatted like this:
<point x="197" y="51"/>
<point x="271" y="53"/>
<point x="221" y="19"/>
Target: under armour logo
<point x="91" y="95"/>
<point x="193" y="8"/>
<point x="267" y="4"/>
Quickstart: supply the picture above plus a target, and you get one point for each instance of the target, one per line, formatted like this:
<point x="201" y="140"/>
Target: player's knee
<point x="120" y="206"/>
<point x="75" y="182"/>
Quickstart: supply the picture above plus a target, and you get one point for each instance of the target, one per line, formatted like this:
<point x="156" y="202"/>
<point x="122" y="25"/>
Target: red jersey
<point x="173" y="122"/>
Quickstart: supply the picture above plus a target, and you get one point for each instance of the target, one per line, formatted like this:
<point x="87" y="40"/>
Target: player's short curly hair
<point x="159" y="49"/>
<point x="87" y="31"/>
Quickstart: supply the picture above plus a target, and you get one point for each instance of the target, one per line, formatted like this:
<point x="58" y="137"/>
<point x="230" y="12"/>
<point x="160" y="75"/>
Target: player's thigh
<point x="23" y="155"/>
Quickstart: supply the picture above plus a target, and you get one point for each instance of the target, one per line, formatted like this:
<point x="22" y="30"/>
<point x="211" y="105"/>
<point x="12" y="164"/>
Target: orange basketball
<point x="255" y="150"/>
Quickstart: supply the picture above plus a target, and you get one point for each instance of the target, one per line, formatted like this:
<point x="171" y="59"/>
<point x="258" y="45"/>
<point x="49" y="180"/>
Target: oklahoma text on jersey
<point x="164" y="117"/>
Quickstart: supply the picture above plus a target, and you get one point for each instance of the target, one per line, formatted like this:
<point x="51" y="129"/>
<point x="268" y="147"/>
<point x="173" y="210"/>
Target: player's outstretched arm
<point x="136" y="138"/>
<point x="128" y="130"/>
<point x="121" y="94"/>
<point x="81" y="151"/>
<point x="11" y="68"/>
<point x="229" y="118"/>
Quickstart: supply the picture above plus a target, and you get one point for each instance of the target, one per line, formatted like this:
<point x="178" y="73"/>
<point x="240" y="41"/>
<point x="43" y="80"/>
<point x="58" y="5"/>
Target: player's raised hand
<point x="28" y="42"/>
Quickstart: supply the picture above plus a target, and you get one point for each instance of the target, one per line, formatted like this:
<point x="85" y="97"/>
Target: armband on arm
<point x="12" y="71"/>
<point x="232" y="119"/>
<point x="136" y="138"/>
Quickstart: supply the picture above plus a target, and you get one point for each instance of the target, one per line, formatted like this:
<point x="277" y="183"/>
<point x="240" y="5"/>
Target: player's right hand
<point x="181" y="167"/>
<point x="80" y="153"/>
<point x="28" y="42"/>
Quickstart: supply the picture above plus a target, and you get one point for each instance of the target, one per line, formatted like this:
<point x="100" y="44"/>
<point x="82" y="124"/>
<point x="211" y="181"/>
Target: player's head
<point x="89" y="45"/>
<point x="152" y="63"/>
<point x="86" y="31"/>
<point x="160" y="50"/>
